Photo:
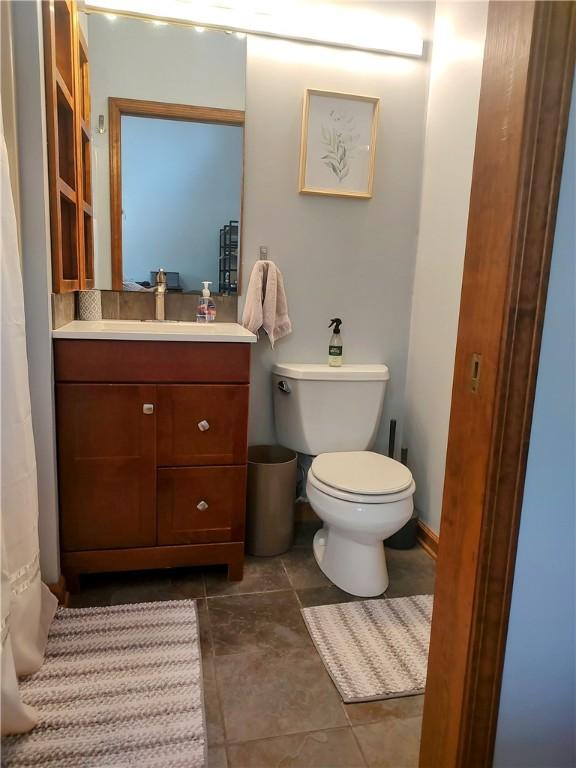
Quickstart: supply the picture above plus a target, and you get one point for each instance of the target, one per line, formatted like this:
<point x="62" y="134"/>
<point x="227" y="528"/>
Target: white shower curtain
<point x="27" y="605"/>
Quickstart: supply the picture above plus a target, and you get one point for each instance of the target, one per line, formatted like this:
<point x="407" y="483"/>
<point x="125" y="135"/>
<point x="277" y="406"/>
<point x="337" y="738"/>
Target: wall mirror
<point x="167" y="153"/>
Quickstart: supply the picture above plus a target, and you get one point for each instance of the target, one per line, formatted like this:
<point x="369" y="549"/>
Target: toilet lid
<point x="361" y="472"/>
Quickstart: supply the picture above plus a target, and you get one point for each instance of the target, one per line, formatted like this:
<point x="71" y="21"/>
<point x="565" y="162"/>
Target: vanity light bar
<point x="319" y="23"/>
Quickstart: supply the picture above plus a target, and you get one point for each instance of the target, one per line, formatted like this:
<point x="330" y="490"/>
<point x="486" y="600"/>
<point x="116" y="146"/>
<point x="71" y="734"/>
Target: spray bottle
<point x="335" y="348"/>
<point x="206" y="309"/>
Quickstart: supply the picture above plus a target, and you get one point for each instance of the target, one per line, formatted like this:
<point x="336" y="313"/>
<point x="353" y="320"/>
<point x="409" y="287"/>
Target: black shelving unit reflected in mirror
<point x="228" y="260"/>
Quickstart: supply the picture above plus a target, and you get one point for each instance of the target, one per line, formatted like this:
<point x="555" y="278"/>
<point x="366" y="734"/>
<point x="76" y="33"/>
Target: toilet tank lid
<point x="320" y="372"/>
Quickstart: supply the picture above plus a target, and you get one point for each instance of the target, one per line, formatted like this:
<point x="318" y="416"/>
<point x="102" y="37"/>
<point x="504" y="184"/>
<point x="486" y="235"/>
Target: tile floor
<point x="269" y="700"/>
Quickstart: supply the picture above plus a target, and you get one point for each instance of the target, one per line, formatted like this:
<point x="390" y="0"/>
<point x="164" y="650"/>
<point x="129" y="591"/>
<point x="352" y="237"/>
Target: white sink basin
<point x="152" y="330"/>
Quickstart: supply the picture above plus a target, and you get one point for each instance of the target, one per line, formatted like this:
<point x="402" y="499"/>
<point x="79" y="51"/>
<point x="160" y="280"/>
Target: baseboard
<point x="59" y="589"/>
<point x="427" y="539"/>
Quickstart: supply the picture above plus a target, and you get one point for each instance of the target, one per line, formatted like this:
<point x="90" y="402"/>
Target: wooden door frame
<point x="521" y="134"/>
<point x="117" y="108"/>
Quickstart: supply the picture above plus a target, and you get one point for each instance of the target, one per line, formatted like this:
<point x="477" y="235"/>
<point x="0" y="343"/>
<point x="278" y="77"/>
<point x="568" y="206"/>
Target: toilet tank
<point x="319" y="409"/>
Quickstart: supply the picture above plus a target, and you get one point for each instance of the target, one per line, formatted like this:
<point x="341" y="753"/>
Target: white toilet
<point x="361" y="497"/>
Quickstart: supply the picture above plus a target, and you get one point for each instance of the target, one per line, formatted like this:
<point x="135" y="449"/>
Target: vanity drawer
<point x="202" y="424"/>
<point x="95" y="361"/>
<point x="201" y="505"/>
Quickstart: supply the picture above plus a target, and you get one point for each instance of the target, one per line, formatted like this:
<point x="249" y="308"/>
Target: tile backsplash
<point x="63" y="309"/>
<point x="133" y="305"/>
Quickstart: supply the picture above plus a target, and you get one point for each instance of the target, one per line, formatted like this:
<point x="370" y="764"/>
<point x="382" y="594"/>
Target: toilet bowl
<point x="362" y="498"/>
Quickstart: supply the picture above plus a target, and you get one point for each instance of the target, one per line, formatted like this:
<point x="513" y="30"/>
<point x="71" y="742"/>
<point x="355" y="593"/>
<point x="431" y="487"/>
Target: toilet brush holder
<point x="405" y="538"/>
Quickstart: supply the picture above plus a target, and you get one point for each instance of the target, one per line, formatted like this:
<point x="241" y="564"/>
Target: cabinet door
<point x="202" y="424"/>
<point x="107" y="467"/>
<point x="201" y="505"/>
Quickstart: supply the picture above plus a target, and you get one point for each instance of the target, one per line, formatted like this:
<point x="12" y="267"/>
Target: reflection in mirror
<point x="181" y="186"/>
<point x="175" y="187"/>
<point x="167" y="179"/>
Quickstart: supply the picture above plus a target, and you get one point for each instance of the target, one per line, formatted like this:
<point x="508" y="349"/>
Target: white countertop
<point x="152" y="330"/>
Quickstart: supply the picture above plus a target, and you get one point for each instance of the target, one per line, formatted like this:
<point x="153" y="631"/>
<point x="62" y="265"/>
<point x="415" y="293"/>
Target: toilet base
<point x="358" y="568"/>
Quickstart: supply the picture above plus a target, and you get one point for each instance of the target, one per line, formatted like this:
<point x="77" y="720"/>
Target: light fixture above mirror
<point x="327" y="23"/>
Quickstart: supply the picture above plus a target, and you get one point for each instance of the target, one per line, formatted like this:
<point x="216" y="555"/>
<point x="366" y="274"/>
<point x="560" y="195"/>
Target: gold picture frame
<point x="338" y="144"/>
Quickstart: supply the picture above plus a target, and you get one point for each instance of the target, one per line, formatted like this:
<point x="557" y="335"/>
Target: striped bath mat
<point x="374" y="649"/>
<point x="120" y="686"/>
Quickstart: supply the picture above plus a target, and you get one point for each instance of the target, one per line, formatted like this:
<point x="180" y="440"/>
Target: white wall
<point x="37" y="272"/>
<point x="340" y="257"/>
<point x="537" y="717"/>
<point x="459" y="33"/>
<point x="141" y="60"/>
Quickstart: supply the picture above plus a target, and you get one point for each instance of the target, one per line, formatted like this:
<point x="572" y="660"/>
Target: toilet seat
<point x="362" y="477"/>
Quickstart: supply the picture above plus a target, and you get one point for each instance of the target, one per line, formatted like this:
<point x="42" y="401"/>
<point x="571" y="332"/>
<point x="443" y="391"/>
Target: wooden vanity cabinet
<point x="152" y="474"/>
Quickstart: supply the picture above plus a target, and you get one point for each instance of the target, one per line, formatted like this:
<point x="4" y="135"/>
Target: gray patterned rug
<point x="374" y="649"/>
<point x="120" y="686"/>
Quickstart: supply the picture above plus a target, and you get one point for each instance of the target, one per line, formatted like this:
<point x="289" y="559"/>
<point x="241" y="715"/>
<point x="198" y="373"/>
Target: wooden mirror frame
<point x="136" y="108"/>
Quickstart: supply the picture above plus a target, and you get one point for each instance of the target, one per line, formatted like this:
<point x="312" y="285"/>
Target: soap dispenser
<point x="206" y="310"/>
<point x="335" y="348"/>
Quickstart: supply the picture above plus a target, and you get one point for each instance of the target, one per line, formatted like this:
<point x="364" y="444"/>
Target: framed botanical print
<point x="338" y="144"/>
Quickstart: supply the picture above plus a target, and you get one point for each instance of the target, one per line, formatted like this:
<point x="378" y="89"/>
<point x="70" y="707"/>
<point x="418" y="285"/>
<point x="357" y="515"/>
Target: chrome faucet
<point x="160" y="294"/>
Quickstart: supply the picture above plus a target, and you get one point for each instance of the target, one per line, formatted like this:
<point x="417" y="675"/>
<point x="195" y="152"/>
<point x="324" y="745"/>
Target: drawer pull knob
<point x="202" y="506"/>
<point x="203" y="426"/>
<point x="148" y="408"/>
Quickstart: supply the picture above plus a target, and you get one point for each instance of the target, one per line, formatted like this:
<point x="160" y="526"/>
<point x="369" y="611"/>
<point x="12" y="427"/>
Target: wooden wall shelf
<point x="69" y="153"/>
<point x="66" y="191"/>
<point x="63" y="89"/>
<point x="62" y="15"/>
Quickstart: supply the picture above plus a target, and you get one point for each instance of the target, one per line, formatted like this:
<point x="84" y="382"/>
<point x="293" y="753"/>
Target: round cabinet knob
<point x="203" y="426"/>
<point x="201" y="506"/>
<point x="148" y="408"/>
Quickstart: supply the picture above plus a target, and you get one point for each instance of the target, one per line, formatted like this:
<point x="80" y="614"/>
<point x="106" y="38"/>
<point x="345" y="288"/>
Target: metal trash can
<point x="270" y="503"/>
